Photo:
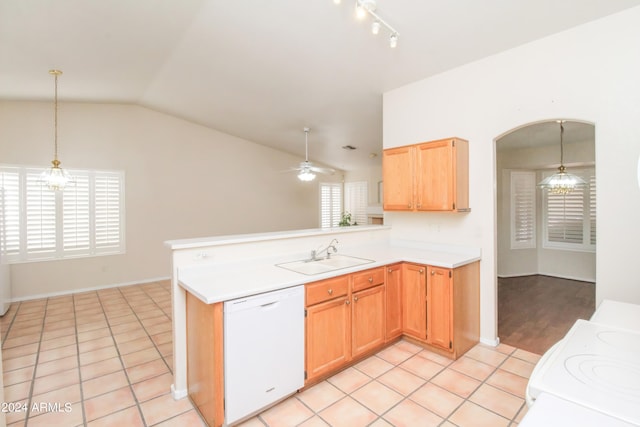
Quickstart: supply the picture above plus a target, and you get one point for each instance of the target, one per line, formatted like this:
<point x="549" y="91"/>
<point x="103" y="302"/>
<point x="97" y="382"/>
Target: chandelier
<point x="561" y="182"/>
<point x="55" y="178"/>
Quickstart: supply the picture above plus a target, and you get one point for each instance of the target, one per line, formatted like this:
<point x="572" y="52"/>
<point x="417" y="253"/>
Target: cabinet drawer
<point x="326" y="289"/>
<point x="367" y="279"/>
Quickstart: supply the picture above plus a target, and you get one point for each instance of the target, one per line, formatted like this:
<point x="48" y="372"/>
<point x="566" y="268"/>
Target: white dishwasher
<point x="263" y="350"/>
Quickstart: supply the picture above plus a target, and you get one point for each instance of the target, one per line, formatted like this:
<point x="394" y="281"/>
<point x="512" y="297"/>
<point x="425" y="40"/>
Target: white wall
<point x="588" y="73"/>
<point x="372" y="175"/>
<point x="182" y="180"/>
<point x="575" y="265"/>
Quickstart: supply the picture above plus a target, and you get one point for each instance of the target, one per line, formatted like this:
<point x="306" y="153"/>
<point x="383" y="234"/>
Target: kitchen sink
<point x="324" y="265"/>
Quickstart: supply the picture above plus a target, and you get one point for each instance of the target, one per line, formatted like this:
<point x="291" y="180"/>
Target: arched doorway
<point x="546" y="244"/>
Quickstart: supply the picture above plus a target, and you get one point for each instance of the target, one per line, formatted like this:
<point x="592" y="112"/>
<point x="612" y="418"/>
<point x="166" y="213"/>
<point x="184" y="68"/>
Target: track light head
<point x="393" y="40"/>
<point x="375" y="27"/>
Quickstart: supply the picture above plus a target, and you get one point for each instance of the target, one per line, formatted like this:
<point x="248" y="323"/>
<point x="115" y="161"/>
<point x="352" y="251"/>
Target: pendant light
<point x="55" y="178"/>
<point x="561" y="182"/>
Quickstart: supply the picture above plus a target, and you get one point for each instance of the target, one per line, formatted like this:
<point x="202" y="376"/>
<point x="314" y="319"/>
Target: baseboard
<point x="97" y="288"/>
<point x="557" y="276"/>
<point x="509" y="276"/>
<point x="493" y="343"/>
<point x="178" y="394"/>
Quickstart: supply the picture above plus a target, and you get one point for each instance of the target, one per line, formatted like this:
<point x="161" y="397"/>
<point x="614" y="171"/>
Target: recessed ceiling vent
<point x="348" y="147"/>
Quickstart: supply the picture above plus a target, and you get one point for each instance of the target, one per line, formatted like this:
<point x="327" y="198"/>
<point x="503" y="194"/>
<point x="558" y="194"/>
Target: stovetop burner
<point x="597" y="366"/>
<point x="606" y="374"/>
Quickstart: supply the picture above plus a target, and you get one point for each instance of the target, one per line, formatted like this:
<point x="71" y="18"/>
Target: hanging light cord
<point x="561" y="146"/>
<point x="55" y="73"/>
<point x="306" y="144"/>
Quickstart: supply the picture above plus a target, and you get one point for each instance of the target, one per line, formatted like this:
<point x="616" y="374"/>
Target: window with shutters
<point x="356" y="200"/>
<point x="523" y="209"/>
<point x="570" y="219"/>
<point x="86" y="219"/>
<point x="330" y="204"/>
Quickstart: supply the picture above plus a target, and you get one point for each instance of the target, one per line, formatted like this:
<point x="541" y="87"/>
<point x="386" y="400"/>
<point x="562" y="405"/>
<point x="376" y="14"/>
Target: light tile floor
<point x="107" y="355"/>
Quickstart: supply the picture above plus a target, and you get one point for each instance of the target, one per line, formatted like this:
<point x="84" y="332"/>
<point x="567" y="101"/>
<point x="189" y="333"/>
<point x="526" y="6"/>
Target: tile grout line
<point x="483" y="382"/>
<point x="446" y="419"/>
<point x="35" y="366"/>
<point x="156" y="347"/>
<point x="124" y="369"/>
<point x="75" y="318"/>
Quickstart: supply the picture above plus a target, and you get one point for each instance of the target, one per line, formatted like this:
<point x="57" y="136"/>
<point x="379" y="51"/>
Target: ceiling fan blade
<point x="326" y="171"/>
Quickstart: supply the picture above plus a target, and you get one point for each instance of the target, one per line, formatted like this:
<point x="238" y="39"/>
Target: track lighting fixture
<point x="368" y="7"/>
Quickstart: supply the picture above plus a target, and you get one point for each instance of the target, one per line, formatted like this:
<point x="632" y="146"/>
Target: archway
<point x="546" y="244"/>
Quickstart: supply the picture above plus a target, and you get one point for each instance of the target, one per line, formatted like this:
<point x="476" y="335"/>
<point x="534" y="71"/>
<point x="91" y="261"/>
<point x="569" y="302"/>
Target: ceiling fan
<point x="306" y="169"/>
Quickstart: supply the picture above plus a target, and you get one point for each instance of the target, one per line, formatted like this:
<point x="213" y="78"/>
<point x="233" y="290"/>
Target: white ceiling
<point x="263" y="70"/>
<point x="547" y="133"/>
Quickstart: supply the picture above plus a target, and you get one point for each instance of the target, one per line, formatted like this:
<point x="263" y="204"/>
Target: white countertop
<point x="226" y="281"/>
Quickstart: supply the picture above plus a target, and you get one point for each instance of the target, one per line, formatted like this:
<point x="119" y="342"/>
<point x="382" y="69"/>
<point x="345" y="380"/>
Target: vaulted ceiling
<point x="263" y="70"/>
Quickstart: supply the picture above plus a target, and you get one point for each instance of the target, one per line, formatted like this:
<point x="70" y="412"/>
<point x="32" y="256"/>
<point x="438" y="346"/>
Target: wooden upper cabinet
<point x="431" y="176"/>
<point x="398" y="178"/>
<point x="439" y="303"/>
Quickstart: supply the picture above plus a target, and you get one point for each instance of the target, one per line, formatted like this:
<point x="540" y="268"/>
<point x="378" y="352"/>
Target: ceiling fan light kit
<point x="368" y="7"/>
<point x="307" y="171"/>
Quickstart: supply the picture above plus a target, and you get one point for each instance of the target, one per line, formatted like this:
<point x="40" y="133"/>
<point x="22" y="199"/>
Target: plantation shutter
<point x="355" y="201"/>
<point x="10" y="183"/>
<point x="570" y="219"/>
<point x="523" y="209"/>
<point x="108" y="202"/>
<point x="76" y="227"/>
<point x="330" y="204"/>
<point x="85" y="219"/>
<point x="40" y="217"/>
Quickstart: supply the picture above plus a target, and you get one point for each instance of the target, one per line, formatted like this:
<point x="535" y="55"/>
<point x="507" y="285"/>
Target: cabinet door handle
<point x="330" y="291"/>
<point x="433" y="272"/>
<point x="347" y="302"/>
<point x="355" y="299"/>
<point x="421" y="271"/>
<point x="370" y="279"/>
<point x="390" y="271"/>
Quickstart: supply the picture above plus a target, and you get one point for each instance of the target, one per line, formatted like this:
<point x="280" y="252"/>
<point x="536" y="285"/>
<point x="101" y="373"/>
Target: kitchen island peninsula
<point x="372" y="292"/>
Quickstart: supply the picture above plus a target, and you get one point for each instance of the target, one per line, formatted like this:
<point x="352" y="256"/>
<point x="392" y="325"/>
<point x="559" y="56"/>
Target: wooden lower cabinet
<point x="367" y="320"/>
<point x="414" y="301"/>
<point x="341" y="328"/>
<point x="442" y="306"/>
<point x="205" y="369"/>
<point x="393" y="300"/>
<point x="328" y="333"/>
<point x="439" y="291"/>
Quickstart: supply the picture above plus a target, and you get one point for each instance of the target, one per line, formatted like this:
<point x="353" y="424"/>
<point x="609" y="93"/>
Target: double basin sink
<point x="310" y="267"/>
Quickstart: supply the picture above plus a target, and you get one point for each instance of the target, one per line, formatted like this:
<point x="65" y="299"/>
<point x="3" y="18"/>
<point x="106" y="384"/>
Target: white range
<point x="594" y="369"/>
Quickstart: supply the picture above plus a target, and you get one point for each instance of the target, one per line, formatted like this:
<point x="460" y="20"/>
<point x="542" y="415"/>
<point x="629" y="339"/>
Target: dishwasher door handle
<point x="269" y="304"/>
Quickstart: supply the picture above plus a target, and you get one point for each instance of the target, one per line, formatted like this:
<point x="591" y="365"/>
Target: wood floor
<point x="534" y="312"/>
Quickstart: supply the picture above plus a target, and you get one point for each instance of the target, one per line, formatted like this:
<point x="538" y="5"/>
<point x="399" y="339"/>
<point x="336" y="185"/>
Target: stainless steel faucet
<point x="331" y="248"/>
